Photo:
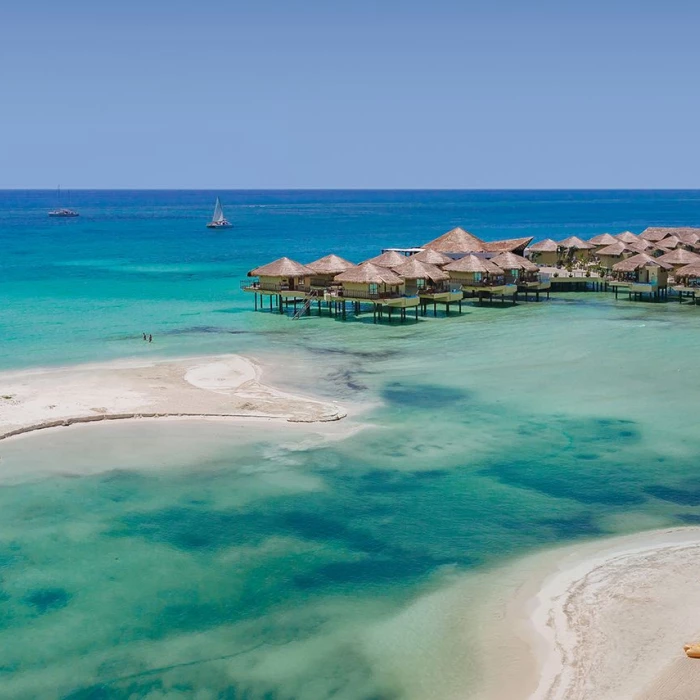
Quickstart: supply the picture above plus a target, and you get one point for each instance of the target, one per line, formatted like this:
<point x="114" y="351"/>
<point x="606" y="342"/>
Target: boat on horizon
<point x="62" y="212"/>
<point x="218" y="220"/>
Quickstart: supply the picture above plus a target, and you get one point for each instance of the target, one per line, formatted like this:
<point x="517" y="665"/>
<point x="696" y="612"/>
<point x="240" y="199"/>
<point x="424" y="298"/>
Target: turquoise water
<point x="209" y="560"/>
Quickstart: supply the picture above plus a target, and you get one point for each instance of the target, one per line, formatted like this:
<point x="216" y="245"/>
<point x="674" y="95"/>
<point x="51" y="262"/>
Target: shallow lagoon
<point x="211" y="560"/>
<point x="216" y="560"/>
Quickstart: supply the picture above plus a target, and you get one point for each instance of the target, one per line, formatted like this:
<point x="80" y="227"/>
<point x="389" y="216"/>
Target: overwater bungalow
<point x="326" y="268"/>
<point x="614" y="253"/>
<point x="475" y="272"/>
<point x="690" y="239"/>
<point x="689" y="275"/>
<point x="390" y="258"/>
<point x="641" y="274"/>
<point x="603" y="239"/>
<point x="457" y="241"/>
<point x="517" y="268"/>
<point x="679" y="257"/>
<point x="281" y="276"/>
<point x="432" y="257"/>
<point x="430" y="283"/>
<point x="422" y="277"/>
<point x="627" y="237"/>
<point x="575" y="248"/>
<point x="545" y="252"/>
<point x="370" y="281"/>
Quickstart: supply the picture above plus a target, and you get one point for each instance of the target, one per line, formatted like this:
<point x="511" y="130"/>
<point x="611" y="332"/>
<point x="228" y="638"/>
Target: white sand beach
<point x="604" y="620"/>
<point x="227" y="386"/>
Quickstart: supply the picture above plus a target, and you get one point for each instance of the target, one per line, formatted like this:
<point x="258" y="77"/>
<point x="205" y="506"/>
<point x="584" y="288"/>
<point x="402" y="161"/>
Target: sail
<point x="218" y="212"/>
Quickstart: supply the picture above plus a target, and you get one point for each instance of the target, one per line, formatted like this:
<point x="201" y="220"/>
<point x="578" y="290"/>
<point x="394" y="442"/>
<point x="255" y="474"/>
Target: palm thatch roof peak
<point x="638" y="261"/>
<point x="575" y="243"/>
<point x="369" y="273"/>
<point x="669" y="242"/>
<point x="616" y="248"/>
<point x="511" y="261"/>
<point x="456" y="240"/>
<point x="627" y="237"/>
<point x="432" y="257"/>
<point x="282" y="267"/>
<point x="546" y="246"/>
<point x="330" y="265"/>
<point x="390" y="258"/>
<point x="414" y="269"/>
<point x="603" y="239"/>
<point x="473" y="263"/>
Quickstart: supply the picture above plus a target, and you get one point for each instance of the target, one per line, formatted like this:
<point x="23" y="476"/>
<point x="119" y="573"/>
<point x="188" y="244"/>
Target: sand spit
<point x="224" y="387"/>
<point x="604" y="620"/>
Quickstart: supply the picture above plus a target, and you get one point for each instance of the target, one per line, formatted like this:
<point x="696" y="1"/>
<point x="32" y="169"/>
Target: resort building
<point x="517" y="269"/>
<point x="281" y="276"/>
<point x="422" y="277"/>
<point x="679" y="257"/>
<point x="642" y="275"/>
<point x="689" y="275"/>
<point x="370" y="281"/>
<point x="614" y="253"/>
<point x="473" y="272"/>
<point x="627" y="237"/>
<point x="545" y="252"/>
<point x="575" y="249"/>
<point x="325" y="269"/>
<point x="457" y="241"/>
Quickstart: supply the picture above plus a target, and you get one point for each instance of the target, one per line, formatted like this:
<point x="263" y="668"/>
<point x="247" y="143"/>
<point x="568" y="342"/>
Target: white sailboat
<point x="219" y="220"/>
<point x="62" y="212"/>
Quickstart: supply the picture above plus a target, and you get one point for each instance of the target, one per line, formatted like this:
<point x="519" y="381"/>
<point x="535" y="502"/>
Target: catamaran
<point x="219" y="220"/>
<point x="62" y="212"/>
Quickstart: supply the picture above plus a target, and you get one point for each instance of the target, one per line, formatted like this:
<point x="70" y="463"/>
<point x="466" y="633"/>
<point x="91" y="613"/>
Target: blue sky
<point x="275" y="94"/>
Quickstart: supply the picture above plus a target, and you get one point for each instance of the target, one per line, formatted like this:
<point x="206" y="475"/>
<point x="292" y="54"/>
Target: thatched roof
<point x="692" y="270"/>
<point x="432" y="257"/>
<point x="472" y="263"/>
<point x="545" y="246"/>
<point x="369" y="273"/>
<point x="638" y="261"/>
<point x="658" y="233"/>
<point x="616" y="248"/>
<point x="330" y="265"/>
<point x="669" y="243"/>
<point x="680" y="256"/>
<point x="640" y="245"/>
<point x="389" y="259"/>
<point x="456" y="241"/>
<point x="416" y="270"/>
<point x="602" y="239"/>
<point x="283" y="267"/>
<point x="510" y="245"/>
<point x="575" y="243"/>
<point x="627" y="237"/>
<point x="511" y="261"/>
<point x="689" y="236"/>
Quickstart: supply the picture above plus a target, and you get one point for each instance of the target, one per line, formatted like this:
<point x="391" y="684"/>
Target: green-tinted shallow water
<point x="213" y="560"/>
<point x="220" y="561"/>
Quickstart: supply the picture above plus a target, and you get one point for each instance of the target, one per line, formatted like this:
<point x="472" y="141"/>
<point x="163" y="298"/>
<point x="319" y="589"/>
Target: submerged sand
<point x="227" y="386"/>
<point x="604" y="620"/>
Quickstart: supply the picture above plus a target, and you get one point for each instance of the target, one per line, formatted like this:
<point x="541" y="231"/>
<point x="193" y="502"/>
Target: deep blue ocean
<point x="219" y="560"/>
